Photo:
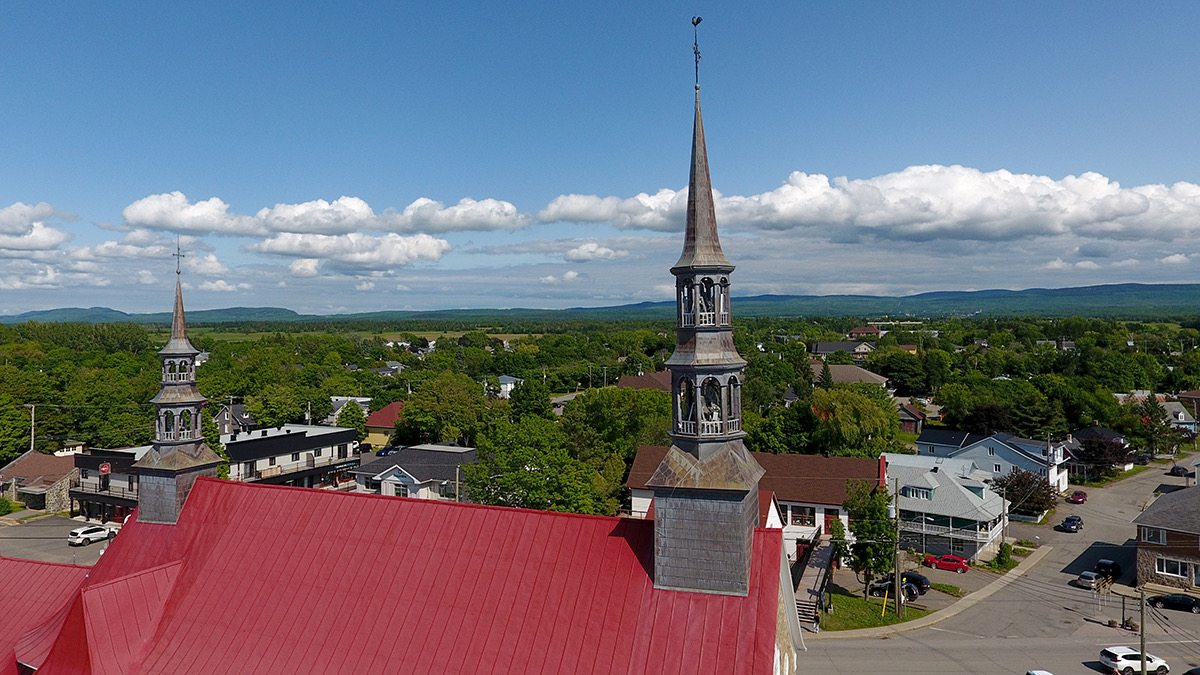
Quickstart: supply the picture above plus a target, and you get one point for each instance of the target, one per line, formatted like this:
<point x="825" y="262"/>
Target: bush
<point x="1026" y="543"/>
<point x="1020" y="551"/>
<point x="6" y="507"/>
<point x="1003" y="560"/>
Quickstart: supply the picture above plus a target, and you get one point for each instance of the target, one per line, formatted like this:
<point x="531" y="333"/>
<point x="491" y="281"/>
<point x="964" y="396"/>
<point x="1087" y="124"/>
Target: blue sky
<point x="335" y="157"/>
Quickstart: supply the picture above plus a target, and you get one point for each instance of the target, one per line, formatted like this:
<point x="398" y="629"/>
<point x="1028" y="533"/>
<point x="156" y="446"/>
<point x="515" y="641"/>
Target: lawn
<point x="850" y="611"/>
<point x="948" y="589"/>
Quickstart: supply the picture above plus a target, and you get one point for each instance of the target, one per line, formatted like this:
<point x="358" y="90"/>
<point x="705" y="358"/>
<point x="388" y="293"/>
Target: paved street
<point x="46" y="539"/>
<point x="1039" y="620"/>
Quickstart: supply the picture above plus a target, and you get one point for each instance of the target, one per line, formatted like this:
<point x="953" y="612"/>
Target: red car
<point x="946" y="562"/>
<point x="1077" y="497"/>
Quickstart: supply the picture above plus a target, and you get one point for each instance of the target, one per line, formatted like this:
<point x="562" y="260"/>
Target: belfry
<point x="706" y="488"/>
<point x="179" y="455"/>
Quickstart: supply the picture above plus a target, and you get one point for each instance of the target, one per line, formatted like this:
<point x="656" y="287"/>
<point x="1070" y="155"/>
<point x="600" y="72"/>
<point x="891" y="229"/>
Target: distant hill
<point x="1115" y="301"/>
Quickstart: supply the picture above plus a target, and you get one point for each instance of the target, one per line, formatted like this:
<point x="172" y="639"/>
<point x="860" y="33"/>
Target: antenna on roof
<point x="696" y="47"/>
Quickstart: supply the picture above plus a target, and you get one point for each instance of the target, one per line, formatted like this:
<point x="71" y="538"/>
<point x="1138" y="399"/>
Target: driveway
<point x="45" y="539"/>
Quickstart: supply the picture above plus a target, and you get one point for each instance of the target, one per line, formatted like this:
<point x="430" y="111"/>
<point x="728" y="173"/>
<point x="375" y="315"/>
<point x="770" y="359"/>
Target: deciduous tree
<point x="871" y="553"/>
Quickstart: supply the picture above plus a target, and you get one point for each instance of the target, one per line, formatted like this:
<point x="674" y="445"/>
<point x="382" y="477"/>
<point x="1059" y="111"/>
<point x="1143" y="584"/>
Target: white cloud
<point x="1128" y="262"/>
<point x="427" y="215"/>
<point x="222" y="286"/>
<point x="664" y="210"/>
<point x="593" y="251"/>
<point x="38" y="237"/>
<point x="347" y="214"/>
<point x="207" y="266"/>
<point x="1174" y="259"/>
<point x="1058" y="264"/>
<point x="146" y="278"/>
<point x="364" y="286"/>
<point x="20" y="218"/>
<point x="1087" y="265"/>
<point x="569" y="275"/>
<point x="304" y="267"/>
<point x="172" y="211"/>
<point x="356" y="249"/>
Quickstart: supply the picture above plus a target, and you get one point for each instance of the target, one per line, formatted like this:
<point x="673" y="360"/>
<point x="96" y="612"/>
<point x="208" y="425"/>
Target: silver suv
<point x="82" y="536"/>
<point x="1127" y="661"/>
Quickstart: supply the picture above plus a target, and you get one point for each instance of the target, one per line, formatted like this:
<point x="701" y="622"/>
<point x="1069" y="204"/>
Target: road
<point x="45" y="539"/>
<point x="1039" y="620"/>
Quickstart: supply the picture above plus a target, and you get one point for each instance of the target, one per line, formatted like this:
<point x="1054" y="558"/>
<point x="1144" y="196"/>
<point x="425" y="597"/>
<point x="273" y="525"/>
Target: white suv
<point x="1126" y="660"/>
<point x="82" y="536"/>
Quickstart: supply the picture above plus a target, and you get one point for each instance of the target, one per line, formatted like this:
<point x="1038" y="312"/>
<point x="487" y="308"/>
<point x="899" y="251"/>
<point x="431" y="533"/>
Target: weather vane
<point x="696" y="46"/>
<point x="178" y="255"/>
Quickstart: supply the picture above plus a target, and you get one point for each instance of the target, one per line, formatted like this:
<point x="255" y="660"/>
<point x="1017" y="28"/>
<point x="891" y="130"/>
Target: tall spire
<point x="701" y="247"/>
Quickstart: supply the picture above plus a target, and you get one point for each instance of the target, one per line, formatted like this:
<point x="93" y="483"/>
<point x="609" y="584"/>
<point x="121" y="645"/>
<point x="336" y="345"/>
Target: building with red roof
<point x="381" y="424"/>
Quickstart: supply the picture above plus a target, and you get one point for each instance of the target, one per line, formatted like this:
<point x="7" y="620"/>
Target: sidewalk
<point x="958" y="607"/>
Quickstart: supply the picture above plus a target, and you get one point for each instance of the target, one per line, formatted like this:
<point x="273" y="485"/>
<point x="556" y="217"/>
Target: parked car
<point x="1179" y="470"/>
<point x="917" y="580"/>
<point x="880" y="588"/>
<point x="1142" y="458"/>
<point x="383" y="452"/>
<point x="946" y="562"/>
<point x="1068" y="525"/>
<point x="1088" y="580"/>
<point x="1126" y="660"/>
<point x="82" y="536"/>
<point x="1108" y="568"/>
<point x="1181" y="601"/>
<point x="1038" y="672"/>
<point x="1077" y="497"/>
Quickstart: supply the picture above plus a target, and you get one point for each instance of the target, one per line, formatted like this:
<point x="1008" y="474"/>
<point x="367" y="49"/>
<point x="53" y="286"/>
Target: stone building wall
<point x="1147" y="571"/>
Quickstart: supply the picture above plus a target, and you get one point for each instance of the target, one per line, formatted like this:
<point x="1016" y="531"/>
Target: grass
<point x="1101" y="482"/>
<point x="948" y="589"/>
<point x="1027" y="543"/>
<point x="1020" y="551"/>
<point x="1047" y="518"/>
<point x="993" y="566"/>
<point x="851" y="611"/>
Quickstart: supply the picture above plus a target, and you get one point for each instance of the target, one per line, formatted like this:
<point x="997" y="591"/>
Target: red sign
<point x="106" y="468"/>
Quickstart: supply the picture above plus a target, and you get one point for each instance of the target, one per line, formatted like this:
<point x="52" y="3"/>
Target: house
<point x="389" y="369"/>
<point x="294" y="454"/>
<point x="911" y="418"/>
<point x="231" y="418"/>
<point x="911" y="349"/>
<point x="507" y="384"/>
<point x="847" y="374"/>
<point x="41" y="482"/>
<point x="1190" y="400"/>
<point x="859" y="350"/>
<point x="1002" y="453"/>
<point x="946" y="506"/>
<point x="432" y="471"/>
<point x="381" y="424"/>
<point x="861" y="332"/>
<point x="944" y="442"/>
<point x="660" y="380"/>
<point x="1076" y="465"/>
<point x="364" y="403"/>
<point x="1138" y="396"/>
<point x="809" y="489"/>
<point x="1168" y="541"/>
<point x="1180" y="418"/>
<point x="107" y="487"/>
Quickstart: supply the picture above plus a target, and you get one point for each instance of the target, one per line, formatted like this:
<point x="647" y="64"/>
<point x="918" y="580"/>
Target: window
<point x="132" y="481"/>
<point x="318" y="452"/>
<point x="1171" y="568"/>
<point x="992" y="452"/>
<point x="1154" y="535"/>
<point x="271" y="462"/>
<point x="295" y="457"/>
<point x="914" y="492"/>
<point x="83" y="474"/>
<point x="956" y="546"/>
<point x="931" y="450"/>
<point x="995" y="468"/>
<point x="1042" y="471"/>
<point x="804" y="515"/>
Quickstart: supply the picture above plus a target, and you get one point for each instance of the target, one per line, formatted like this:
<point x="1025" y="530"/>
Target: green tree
<point x="852" y="424"/>
<point x="526" y="464"/>
<point x="351" y="417"/>
<point x="447" y="407"/>
<point x="1027" y="493"/>
<point x="826" y="379"/>
<point x="14" y="430"/>
<point x="274" y="405"/>
<point x="212" y="436"/>
<point x="531" y="397"/>
<point x="871" y="553"/>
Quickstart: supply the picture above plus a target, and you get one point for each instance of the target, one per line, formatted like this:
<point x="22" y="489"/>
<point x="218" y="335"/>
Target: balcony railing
<point x="688" y="320"/>
<point x="709" y="428"/>
<point x="953" y="532"/>
<point x="93" y="488"/>
<point x="309" y="462"/>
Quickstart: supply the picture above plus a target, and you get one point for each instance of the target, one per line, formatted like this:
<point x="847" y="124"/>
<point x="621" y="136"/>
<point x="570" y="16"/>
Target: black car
<point x="1077" y="521"/>
<point x="1068" y="525"/>
<point x="1108" y="568"/>
<point x="920" y="581"/>
<point x="880" y="588"/>
<point x="1186" y="603"/>
<point x="1179" y="470"/>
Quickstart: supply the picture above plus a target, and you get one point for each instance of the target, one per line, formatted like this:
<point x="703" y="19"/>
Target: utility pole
<point x="32" y="422"/>
<point x="899" y="592"/>
<point x="1142" y="629"/>
<point x="605" y="375"/>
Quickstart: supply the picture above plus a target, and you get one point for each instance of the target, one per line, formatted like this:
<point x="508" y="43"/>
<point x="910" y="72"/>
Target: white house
<point x="293" y="454"/>
<point x="1000" y="454"/>
<point x="430" y="471"/>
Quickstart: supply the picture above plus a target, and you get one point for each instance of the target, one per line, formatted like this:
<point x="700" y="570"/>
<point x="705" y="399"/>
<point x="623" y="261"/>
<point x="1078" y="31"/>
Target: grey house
<point x="422" y="471"/>
<point x="946" y="506"/>
<point x="1000" y="454"/>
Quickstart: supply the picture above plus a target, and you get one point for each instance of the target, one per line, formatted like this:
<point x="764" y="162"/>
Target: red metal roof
<point x="386" y="416"/>
<point x="30" y="593"/>
<point x="274" y="579"/>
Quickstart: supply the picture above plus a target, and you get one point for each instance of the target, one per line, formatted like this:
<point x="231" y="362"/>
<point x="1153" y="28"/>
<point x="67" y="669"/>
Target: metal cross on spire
<point x="696" y="46"/>
<point x="178" y="255"/>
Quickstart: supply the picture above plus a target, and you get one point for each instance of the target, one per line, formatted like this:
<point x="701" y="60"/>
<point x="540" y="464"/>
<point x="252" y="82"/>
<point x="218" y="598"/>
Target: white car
<point x="1126" y="661"/>
<point x="82" y="536"/>
<point x="1088" y="580"/>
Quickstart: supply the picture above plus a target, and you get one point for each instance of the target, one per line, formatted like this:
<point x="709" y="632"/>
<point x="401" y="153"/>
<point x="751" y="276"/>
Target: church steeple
<point x="706" y="488"/>
<point x="179" y="454"/>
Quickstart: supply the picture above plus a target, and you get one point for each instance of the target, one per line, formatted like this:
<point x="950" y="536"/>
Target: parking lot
<point x="45" y="539"/>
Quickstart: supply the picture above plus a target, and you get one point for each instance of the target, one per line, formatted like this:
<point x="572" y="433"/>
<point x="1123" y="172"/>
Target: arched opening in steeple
<point x="687" y="302"/>
<point x="735" y="404"/>
<point x="707" y="314"/>
<point x="713" y="411"/>
<point x="185" y="424"/>
<point x="168" y="425"/>
<point x="685" y="406"/>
